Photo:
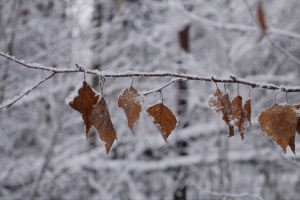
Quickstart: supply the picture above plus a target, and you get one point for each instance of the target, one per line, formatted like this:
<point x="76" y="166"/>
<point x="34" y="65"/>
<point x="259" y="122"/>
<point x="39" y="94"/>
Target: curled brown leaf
<point x="227" y="113"/>
<point x="247" y="110"/>
<point x="238" y="115"/>
<point x="84" y="103"/>
<point x="100" y="118"/>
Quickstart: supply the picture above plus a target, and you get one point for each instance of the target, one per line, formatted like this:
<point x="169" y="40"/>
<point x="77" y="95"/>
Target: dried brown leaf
<point x="163" y="118"/>
<point x="84" y="104"/>
<point x="227" y="113"/>
<point x="215" y="101"/>
<point x="130" y="101"/>
<point x="238" y="115"/>
<point x="279" y="122"/>
<point x="100" y="118"/>
<point x="297" y="107"/>
<point x="261" y="21"/>
<point x="247" y="110"/>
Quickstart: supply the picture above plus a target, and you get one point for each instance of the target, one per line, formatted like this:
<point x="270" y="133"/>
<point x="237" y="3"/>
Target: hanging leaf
<point x="163" y="118"/>
<point x="215" y="101"/>
<point x="247" y="110"/>
<point x="83" y="102"/>
<point x="130" y="101"/>
<point x="297" y="107"/>
<point x="279" y="123"/>
<point x="261" y="21"/>
<point x="238" y="115"/>
<point x="221" y="104"/>
<point x="227" y="113"/>
<point x="100" y="118"/>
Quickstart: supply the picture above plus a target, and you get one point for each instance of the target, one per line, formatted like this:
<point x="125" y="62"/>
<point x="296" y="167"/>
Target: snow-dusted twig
<point x="159" y="74"/>
<point x="17" y="98"/>
<point x="160" y="88"/>
<point x="178" y="76"/>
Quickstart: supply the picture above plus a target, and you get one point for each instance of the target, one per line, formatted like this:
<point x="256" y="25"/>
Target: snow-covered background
<point x="43" y="150"/>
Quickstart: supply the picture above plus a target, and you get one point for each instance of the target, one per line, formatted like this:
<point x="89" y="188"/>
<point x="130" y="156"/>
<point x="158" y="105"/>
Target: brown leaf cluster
<point x="163" y="118"/>
<point x="233" y="112"/>
<point x="94" y="113"/>
<point x="279" y="122"/>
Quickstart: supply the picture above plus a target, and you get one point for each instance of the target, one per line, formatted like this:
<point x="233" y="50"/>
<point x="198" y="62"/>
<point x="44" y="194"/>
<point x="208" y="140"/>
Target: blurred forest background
<point x="43" y="150"/>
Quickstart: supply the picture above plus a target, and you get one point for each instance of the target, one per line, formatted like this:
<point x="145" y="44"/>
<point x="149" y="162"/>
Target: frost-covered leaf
<point x="163" y="118"/>
<point x="297" y="107"/>
<point x="83" y="101"/>
<point x="247" y="110"/>
<point x="238" y="115"/>
<point x="130" y="101"/>
<point x="100" y="118"/>
<point x="215" y="101"/>
<point x="221" y="104"/>
<point x="227" y="113"/>
<point x="279" y="122"/>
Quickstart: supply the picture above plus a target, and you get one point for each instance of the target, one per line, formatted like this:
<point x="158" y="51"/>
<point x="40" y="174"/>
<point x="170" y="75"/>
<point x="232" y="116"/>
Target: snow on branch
<point x="177" y="76"/>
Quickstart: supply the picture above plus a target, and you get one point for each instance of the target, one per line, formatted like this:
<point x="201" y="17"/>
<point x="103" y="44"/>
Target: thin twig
<point x="159" y="89"/>
<point x="26" y="93"/>
<point x="158" y="74"/>
<point x="180" y="76"/>
<point x="284" y="51"/>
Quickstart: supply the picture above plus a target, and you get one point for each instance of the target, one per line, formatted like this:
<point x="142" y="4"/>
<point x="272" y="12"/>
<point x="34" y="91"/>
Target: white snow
<point x="74" y="93"/>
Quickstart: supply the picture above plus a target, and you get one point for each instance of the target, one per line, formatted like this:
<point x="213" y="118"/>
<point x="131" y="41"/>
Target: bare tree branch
<point x="181" y="76"/>
<point x="17" y="98"/>
<point x="162" y="87"/>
